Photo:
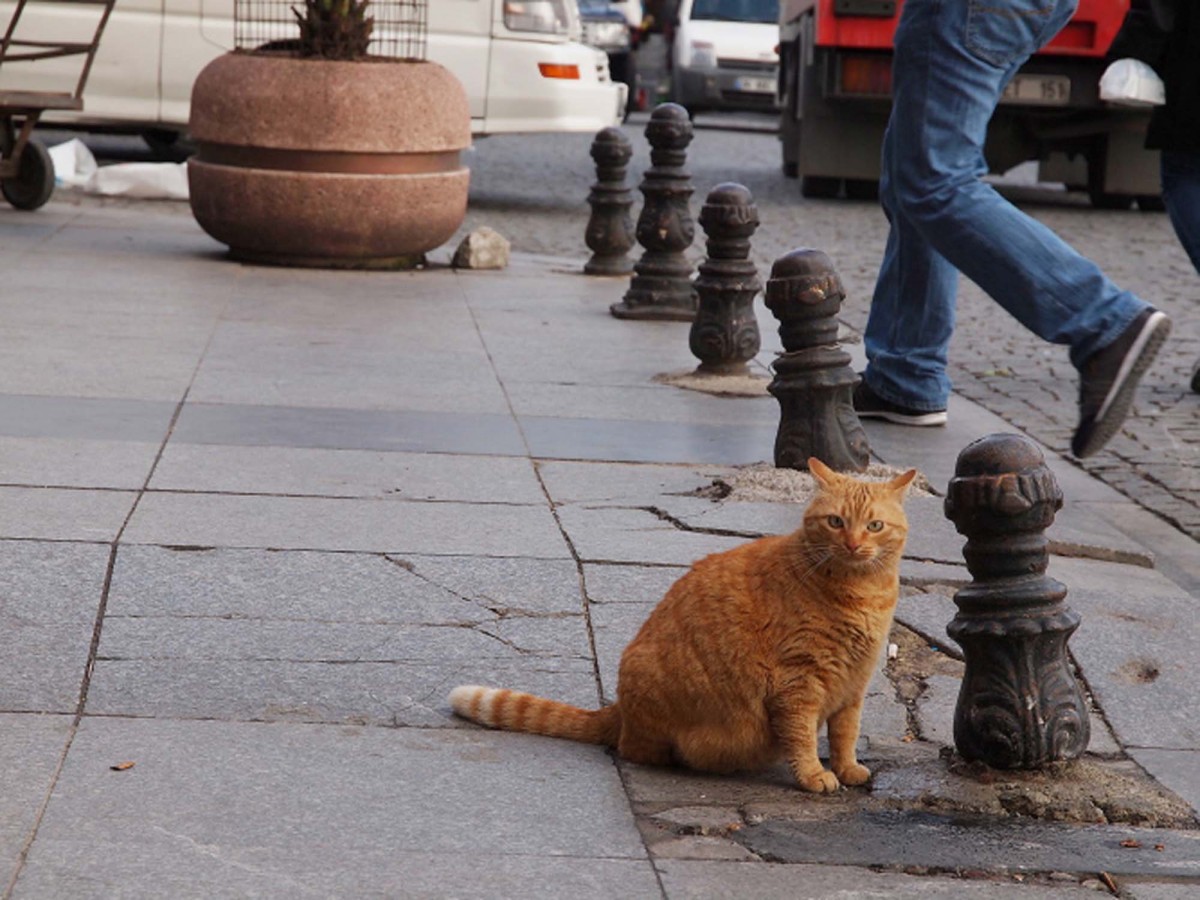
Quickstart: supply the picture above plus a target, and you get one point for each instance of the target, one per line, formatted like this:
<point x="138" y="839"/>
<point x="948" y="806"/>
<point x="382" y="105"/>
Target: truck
<point x="522" y="63"/>
<point x="835" y="87"/>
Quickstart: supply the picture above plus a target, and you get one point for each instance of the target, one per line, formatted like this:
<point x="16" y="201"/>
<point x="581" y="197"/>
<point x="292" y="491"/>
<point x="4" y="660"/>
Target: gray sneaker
<point x="1109" y="379"/>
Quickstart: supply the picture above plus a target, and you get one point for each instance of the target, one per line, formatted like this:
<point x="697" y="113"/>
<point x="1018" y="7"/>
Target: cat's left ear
<point x="900" y="482"/>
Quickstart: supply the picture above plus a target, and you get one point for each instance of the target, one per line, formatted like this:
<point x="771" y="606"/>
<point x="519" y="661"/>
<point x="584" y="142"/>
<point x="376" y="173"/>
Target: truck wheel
<point x="33" y="184"/>
<point x="862" y="189"/>
<point x="1102" y="200"/>
<point x="820" y="187"/>
<point x="1151" y="203"/>
<point x="791" y="169"/>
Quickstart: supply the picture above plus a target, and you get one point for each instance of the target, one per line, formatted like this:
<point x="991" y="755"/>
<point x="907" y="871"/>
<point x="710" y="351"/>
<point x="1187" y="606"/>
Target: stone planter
<point x="312" y="162"/>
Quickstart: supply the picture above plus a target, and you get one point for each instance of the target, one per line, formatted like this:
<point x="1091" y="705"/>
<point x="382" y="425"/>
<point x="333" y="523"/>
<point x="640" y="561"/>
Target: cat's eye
<point x="875" y="525"/>
<point x="836" y="522"/>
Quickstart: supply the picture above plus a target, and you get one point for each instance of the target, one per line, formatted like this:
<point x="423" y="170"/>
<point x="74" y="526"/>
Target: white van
<point x="520" y="61"/>
<point x="725" y="55"/>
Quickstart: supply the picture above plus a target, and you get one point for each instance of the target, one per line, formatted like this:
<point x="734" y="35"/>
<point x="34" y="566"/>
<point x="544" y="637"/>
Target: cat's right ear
<point x="900" y="482"/>
<point x="825" y="475"/>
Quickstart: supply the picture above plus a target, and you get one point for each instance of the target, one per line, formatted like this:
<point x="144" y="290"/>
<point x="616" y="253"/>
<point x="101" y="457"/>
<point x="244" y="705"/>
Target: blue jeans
<point x="953" y="59"/>
<point x="1181" y="193"/>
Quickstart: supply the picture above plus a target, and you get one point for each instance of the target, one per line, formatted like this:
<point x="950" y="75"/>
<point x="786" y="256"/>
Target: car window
<point x="737" y="10"/>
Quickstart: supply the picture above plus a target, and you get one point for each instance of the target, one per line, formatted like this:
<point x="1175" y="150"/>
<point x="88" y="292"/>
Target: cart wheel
<point x="34" y="182"/>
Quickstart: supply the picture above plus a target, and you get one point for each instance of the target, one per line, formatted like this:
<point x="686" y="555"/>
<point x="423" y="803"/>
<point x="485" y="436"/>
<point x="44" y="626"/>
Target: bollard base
<point x="660" y="312"/>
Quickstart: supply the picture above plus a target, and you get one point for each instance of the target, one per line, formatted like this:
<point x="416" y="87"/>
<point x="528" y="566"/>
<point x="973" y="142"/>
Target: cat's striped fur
<point x="751" y="651"/>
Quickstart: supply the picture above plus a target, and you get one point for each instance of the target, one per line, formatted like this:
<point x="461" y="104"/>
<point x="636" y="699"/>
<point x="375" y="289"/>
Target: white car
<point x="726" y="55"/>
<point x="520" y="61"/>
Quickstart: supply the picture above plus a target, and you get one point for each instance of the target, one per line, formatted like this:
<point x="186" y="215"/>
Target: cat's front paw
<point x="823" y="782"/>
<point x="854" y="774"/>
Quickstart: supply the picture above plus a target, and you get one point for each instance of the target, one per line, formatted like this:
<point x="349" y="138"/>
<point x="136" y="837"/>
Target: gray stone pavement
<point x="533" y="189"/>
<point x="255" y="523"/>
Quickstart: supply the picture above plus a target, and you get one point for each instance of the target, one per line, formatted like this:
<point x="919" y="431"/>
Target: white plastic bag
<point x="1130" y="82"/>
<point x="75" y="166"/>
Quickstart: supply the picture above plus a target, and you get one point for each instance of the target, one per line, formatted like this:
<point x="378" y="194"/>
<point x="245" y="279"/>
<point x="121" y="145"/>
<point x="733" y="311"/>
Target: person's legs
<point x="952" y="62"/>
<point x="1181" y="194"/>
<point x="911" y="319"/>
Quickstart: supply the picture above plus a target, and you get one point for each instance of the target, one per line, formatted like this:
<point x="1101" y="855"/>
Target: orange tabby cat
<point x="751" y="651"/>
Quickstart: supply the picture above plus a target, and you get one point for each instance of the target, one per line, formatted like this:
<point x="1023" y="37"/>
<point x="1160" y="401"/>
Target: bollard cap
<point x="670" y="127"/>
<point x="611" y="145"/>
<point x="999" y="479"/>
<point x="729" y="207"/>
<point x="805" y="277"/>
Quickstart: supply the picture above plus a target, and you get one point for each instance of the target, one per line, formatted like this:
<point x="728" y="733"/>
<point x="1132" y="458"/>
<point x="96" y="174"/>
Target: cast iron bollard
<point x="1019" y="707"/>
<point x="610" y="229"/>
<point x="725" y="334"/>
<point x="661" y="287"/>
<point x="813" y="379"/>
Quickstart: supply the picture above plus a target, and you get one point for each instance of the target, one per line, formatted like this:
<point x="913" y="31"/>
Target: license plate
<point x="1038" y="90"/>
<point x="754" y="85"/>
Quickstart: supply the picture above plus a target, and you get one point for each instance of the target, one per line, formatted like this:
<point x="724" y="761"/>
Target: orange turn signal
<point x="559" y="70"/>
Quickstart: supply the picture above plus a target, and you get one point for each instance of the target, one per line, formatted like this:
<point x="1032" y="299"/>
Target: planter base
<point x="388" y="263"/>
<point x="376" y="186"/>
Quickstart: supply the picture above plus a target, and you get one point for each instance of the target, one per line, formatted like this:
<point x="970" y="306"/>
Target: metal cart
<point x="26" y="171"/>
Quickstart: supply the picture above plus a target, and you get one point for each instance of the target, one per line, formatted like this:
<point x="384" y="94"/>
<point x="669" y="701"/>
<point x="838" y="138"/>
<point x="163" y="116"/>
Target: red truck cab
<point x="835" y="89"/>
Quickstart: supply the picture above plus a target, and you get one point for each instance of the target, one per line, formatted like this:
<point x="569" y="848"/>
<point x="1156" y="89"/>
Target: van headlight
<point x="549" y="16"/>
<point x="703" y="55"/>
<point x="606" y="35"/>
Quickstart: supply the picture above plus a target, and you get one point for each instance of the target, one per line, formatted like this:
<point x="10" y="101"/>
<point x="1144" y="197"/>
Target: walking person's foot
<point x="870" y="405"/>
<point x="1109" y="379"/>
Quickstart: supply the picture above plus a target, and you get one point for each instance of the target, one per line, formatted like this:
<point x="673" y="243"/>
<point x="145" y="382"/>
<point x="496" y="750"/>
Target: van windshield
<point x="737" y="10"/>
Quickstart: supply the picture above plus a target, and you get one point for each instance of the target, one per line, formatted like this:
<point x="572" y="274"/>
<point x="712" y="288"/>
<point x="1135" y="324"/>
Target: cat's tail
<point x="517" y="711"/>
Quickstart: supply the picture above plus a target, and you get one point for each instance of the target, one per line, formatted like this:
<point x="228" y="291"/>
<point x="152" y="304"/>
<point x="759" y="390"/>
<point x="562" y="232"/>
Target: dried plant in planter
<point x="334" y="29"/>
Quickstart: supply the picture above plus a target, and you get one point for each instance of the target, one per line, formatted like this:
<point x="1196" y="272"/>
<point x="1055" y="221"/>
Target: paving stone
<point x="593" y="482"/>
<point x="614" y="625"/>
<point x="58" y="462"/>
<point x="319" y="364"/>
<point x="356" y="692"/>
<point x="1178" y="770"/>
<point x="106" y="419"/>
<point x="698" y="846"/>
<point x="29" y="757"/>
<point x="957" y="842"/>
<point x="416" y="431"/>
<point x="624" y="535"/>
<point x="750" y="518"/>
<point x="346" y="473"/>
<point x="624" y="440"/>
<point x="928" y="614"/>
<point x="629" y="584"/>
<point x="1136" y="647"/>
<point x="931" y="536"/>
<point x="935" y="709"/>
<point x="648" y="403"/>
<point x="213" y="809"/>
<point x="684" y="879"/>
<point x="63" y="514"/>
<point x="333" y="637"/>
<point x="50" y="595"/>
<point x="303" y="586"/>
<point x="1077" y="532"/>
<point x="1164" y="891"/>
<point x="300" y="523"/>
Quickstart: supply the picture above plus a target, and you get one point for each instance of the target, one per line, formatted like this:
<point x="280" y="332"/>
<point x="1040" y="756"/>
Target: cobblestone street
<point x="533" y="189"/>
